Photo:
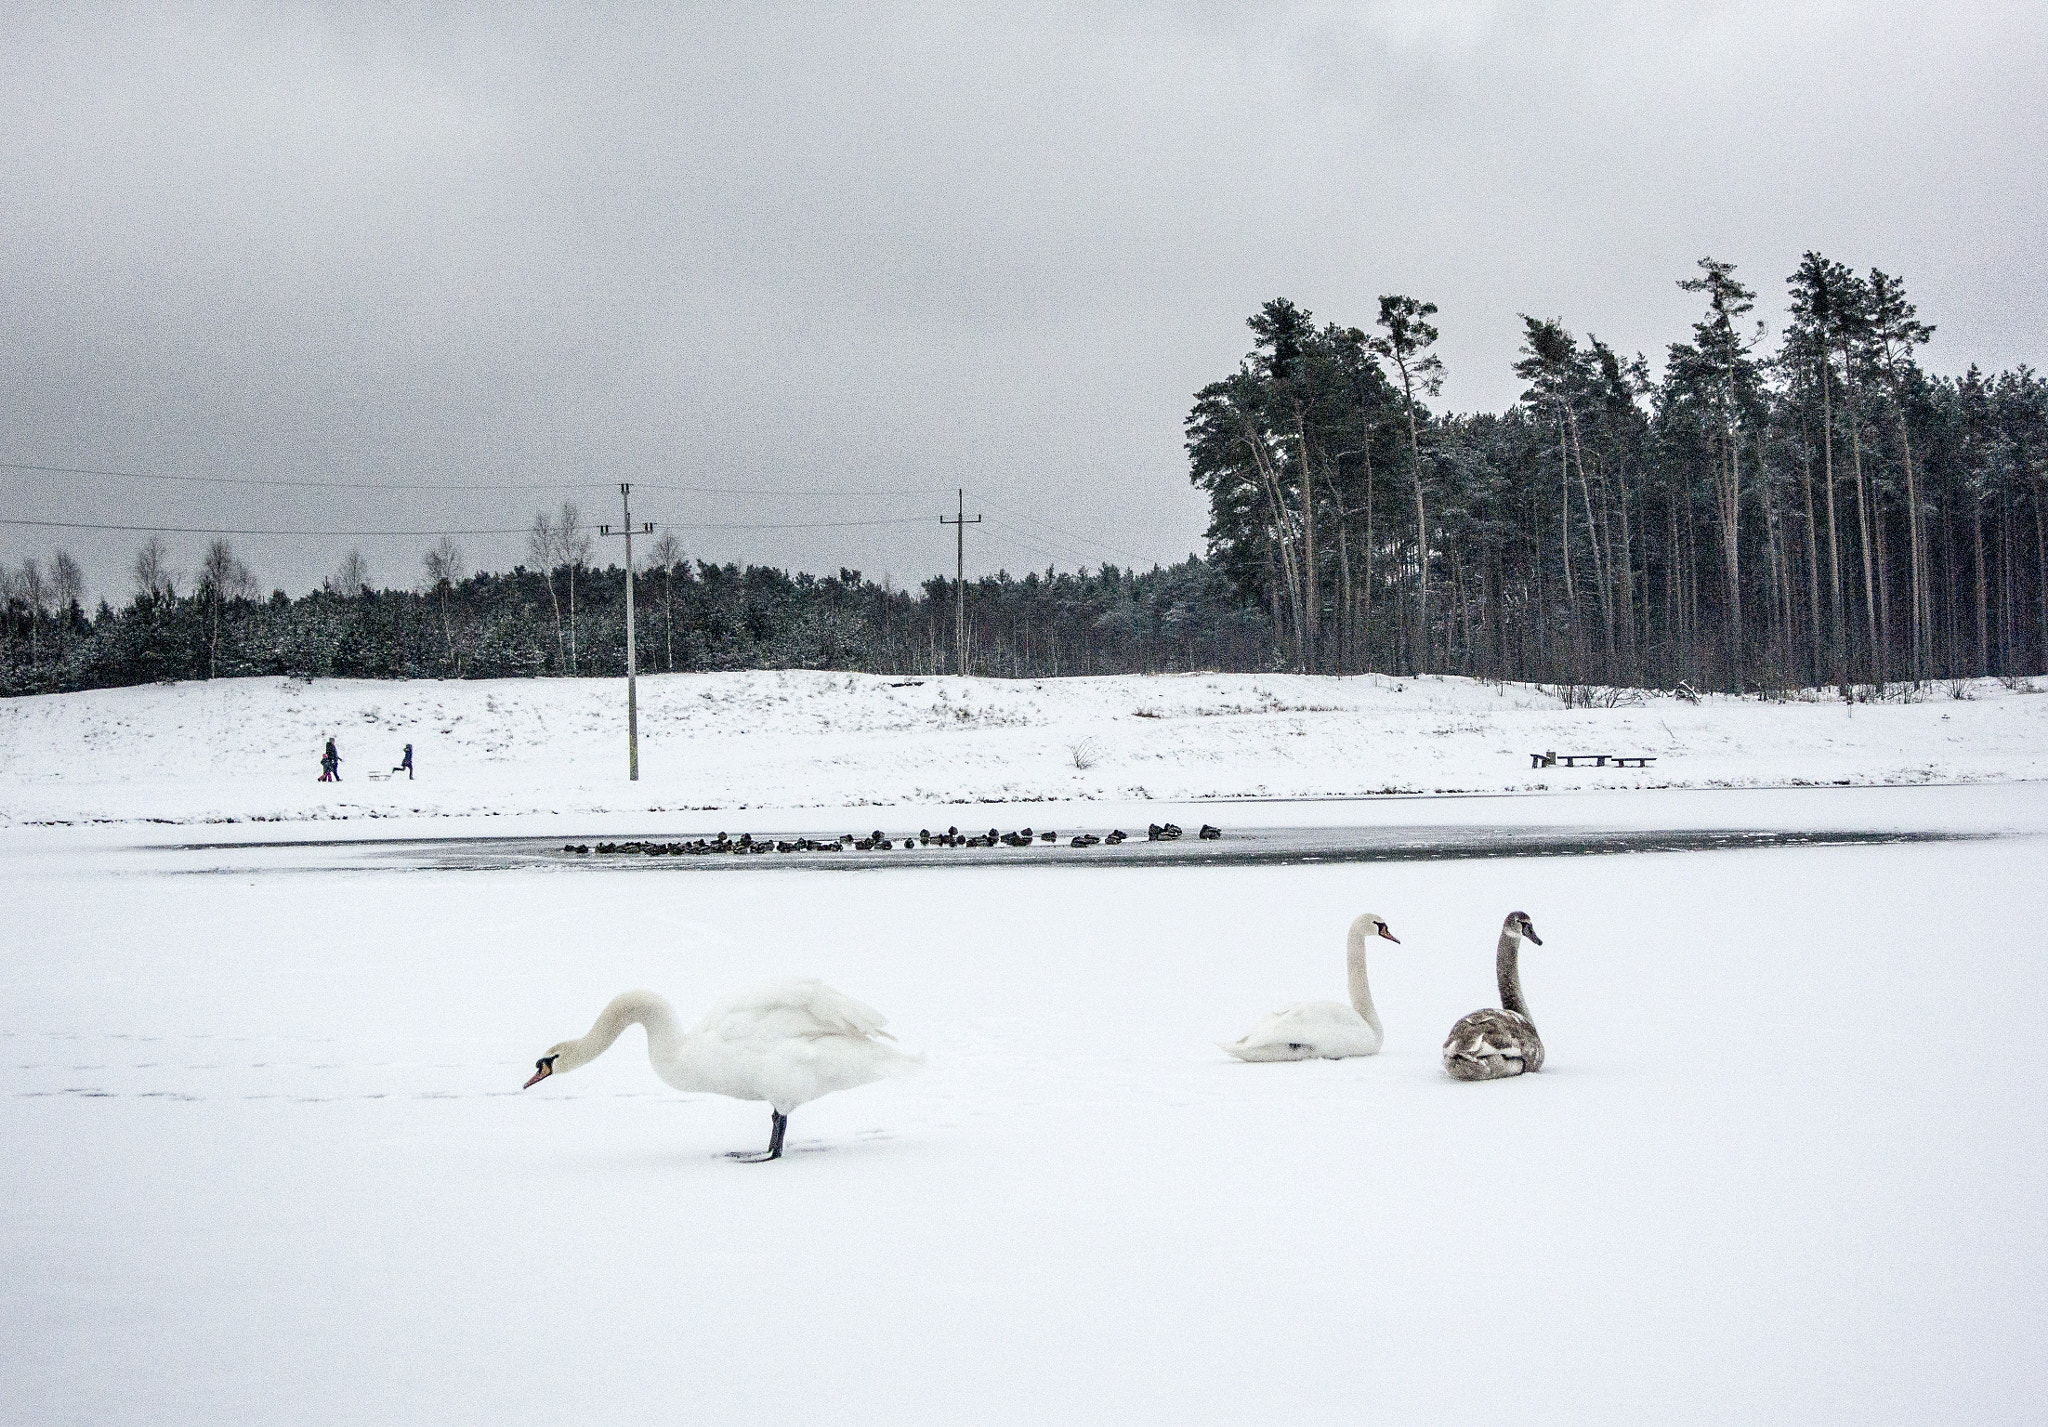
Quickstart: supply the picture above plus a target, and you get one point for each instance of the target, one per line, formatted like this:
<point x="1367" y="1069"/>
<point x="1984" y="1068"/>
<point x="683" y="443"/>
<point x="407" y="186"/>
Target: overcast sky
<point x="859" y="260"/>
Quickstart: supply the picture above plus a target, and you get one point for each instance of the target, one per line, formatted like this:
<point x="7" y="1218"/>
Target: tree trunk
<point x="1311" y="583"/>
<point x="1601" y="561"/>
<point x="1887" y="660"/>
<point x="1421" y="654"/>
<point x="1365" y="601"/>
<point x="561" y="650"/>
<point x="1918" y="563"/>
<point x="1344" y="632"/>
<point x="574" y="662"/>
<point x="1983" y="589"/>
<point x="1674" y="604"/>
<point x="1865" y="525"/>
<point x="1564" y="533"/>
<point x="668" y="617"/>
<point x="2040" y="586"/>
<point x="1730" y="499"/>
<point x="1814" y="661"/>
<point x="1262" y="460"/>
<point x="1827" y="447"/>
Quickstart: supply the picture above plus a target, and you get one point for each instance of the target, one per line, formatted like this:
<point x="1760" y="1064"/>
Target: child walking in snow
<point x="330" y="764"/>
<point x="405" y="763"/>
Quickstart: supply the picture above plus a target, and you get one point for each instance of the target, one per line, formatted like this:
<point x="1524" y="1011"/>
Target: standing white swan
<point x="1323" y="1030"/>
<point x="1492" y="1045"/>
<point x="788" y="1043"/>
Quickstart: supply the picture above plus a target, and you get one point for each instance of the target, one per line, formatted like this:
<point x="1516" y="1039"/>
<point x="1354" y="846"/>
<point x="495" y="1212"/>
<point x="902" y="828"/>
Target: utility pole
<point x="960" y="522"/>
<point x="632" y="680"/>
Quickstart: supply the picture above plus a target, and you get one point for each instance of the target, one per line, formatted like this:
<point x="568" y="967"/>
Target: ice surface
<point x="264" y="1158"/>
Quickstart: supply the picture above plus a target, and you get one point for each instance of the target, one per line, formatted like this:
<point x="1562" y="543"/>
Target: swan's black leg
<point x="774" y="1150"/>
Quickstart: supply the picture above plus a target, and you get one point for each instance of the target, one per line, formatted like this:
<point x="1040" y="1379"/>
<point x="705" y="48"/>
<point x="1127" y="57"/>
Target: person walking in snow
<point x="405" y="763"/>
<point x="330" y="764"/>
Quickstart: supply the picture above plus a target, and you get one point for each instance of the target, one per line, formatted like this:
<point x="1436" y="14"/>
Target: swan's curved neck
<point x="1354" y="960"/>
<point x="1507" y="967"/>
<point x="664" y="1031"/>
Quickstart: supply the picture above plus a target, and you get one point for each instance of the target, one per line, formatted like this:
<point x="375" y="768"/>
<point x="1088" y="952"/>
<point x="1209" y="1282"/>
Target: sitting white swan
<point x="1323" y="1030"/>
<point x="788" y="1043"/>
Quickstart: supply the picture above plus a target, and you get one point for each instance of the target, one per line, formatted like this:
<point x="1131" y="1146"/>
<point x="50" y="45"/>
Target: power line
<point x="1049" y="547"/>
<point x="1056" y="548"/>
<point x="790" y="525"/>
<point x="208" y="530"/>
<point x="1085" y="540"/>
<point x="1053" y="547"/>
<point x="806" y="491"/>
<point x="522" y="530"/>
<point x="303" y="485"/>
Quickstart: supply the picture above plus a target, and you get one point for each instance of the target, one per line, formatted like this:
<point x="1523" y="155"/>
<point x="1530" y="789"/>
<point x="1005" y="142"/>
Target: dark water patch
<point x="1264" y="847"/>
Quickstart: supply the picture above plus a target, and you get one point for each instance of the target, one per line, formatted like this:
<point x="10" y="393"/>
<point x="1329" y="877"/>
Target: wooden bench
<point x="1598" y="760"/>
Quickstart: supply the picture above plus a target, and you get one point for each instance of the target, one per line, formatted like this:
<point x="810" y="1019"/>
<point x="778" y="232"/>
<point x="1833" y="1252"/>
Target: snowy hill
<point x="248" y="748"/>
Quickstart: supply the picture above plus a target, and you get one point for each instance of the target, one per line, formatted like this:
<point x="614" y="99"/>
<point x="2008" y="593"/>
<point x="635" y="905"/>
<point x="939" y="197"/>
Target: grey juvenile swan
<point x="1492" y="1045"/>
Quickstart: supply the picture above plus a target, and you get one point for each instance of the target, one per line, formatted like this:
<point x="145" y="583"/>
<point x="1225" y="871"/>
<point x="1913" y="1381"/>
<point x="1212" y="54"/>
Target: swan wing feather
<point x="1309" y="1030"/>
<point x="788" y="1042"/>
<point x="1489" y="1044"/>
<point x="804" y="1009"/>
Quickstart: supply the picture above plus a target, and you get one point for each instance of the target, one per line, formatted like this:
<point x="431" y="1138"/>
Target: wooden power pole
<point x="632" y="680"/>
<point x="960" y="522"/>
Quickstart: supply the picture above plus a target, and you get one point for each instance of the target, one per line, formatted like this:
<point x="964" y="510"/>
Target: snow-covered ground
<point x="264" y="1158"/>
<point x="247" y="749"/>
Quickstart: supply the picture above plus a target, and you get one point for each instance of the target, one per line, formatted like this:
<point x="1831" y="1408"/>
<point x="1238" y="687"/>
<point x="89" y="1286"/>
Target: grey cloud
<point x="917" y="247"/>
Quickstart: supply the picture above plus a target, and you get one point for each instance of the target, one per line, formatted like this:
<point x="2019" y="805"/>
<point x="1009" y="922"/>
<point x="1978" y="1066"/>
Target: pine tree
<point x="1405" y="341"/>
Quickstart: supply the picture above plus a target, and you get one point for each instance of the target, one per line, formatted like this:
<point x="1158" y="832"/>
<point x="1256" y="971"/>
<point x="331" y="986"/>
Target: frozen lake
<point x="266" y="1158"/>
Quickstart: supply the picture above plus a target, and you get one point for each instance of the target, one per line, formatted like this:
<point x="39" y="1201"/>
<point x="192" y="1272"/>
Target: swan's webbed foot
<point x="774" y="1150"/>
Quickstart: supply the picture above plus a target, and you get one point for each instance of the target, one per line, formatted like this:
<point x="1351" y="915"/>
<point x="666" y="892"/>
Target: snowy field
<point x="247" y="749"/>
<point x="265" y="1158"/>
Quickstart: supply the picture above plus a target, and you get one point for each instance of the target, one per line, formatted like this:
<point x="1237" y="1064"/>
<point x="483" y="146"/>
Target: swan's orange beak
<point x="1389" y="935"/>
<point x="542" y="1069"/>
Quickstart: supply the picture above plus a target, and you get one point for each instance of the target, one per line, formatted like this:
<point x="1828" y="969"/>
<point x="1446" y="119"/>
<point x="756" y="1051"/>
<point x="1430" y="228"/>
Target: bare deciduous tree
<point x="67" y="581"/>
<point x="572" y="543"/>
<point x="667" y="553"/>
<point x="350" y="577"/>
<point x="542" y="547"/>
<point x="34" y="591"/>
<point x="444" y="567"/>
<point x="154" y="577"/>
<point x="222" y="577"/>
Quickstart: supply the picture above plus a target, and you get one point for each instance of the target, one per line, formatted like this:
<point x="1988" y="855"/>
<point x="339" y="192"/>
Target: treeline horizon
<point x="1825" y="513"/>
<point x="571" y="621"/>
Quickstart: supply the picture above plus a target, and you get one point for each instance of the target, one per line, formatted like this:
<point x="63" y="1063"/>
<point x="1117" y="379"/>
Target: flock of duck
<point x="746" y="844"/>
<point x="790" y="1042"/>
